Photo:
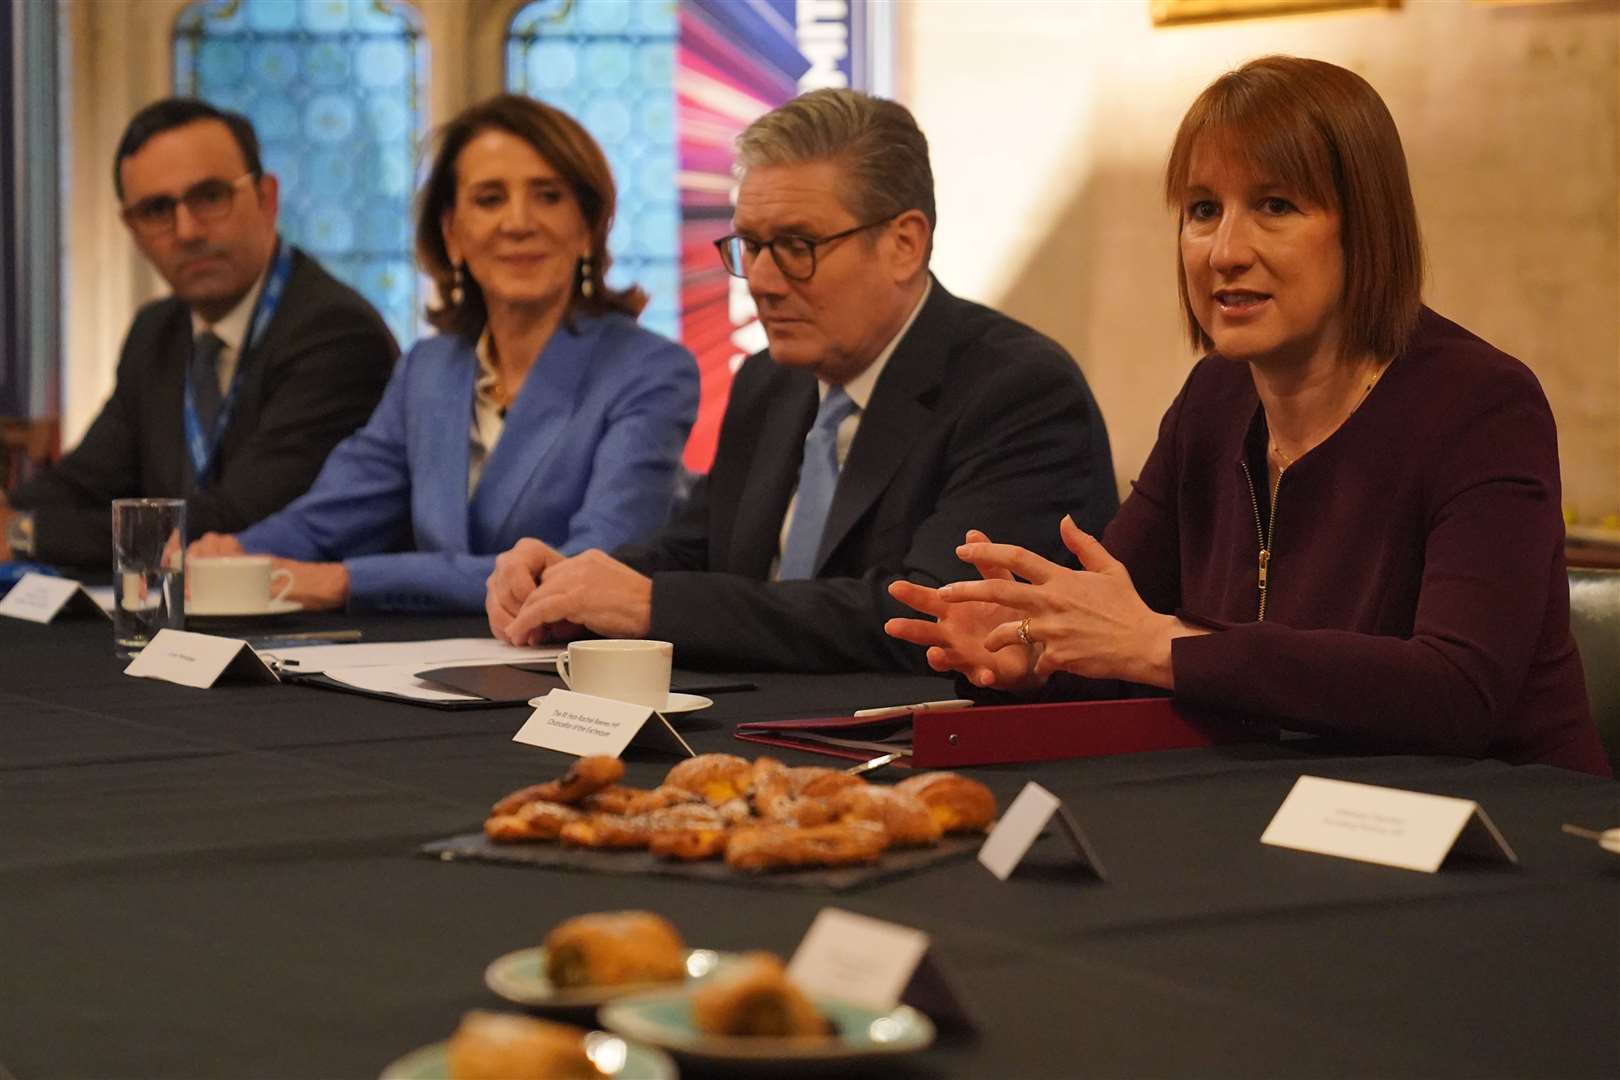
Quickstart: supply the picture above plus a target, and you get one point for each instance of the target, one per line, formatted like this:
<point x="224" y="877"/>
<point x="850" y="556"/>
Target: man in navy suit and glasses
<point x="886" y="418"/>
<point x="231" y="391"/>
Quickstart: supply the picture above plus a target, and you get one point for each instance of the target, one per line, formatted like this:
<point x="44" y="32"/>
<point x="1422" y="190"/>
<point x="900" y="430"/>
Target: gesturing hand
<point x="1090" y="622"/>
<point x="956" y="639"/>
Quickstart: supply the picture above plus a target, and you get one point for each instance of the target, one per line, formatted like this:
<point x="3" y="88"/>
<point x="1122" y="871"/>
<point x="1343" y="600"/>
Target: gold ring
<point x="1023" y="633"/>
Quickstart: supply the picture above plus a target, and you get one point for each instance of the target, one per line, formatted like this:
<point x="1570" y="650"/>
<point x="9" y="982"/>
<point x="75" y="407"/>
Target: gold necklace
<point x="1284" y="460"/>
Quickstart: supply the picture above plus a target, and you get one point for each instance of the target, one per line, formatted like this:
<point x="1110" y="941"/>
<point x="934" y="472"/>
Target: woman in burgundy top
<point x="1350" y="523"/>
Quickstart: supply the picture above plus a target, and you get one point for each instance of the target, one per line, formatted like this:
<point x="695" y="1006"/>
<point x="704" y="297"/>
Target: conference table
<point x="226" y="882"/>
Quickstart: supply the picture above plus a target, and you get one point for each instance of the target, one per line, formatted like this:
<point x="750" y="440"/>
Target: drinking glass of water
<point x="149" y="570"/>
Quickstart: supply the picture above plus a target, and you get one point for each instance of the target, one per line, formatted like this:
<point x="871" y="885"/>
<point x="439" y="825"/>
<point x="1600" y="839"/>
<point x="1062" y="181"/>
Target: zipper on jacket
<point x="1264" y="535"/>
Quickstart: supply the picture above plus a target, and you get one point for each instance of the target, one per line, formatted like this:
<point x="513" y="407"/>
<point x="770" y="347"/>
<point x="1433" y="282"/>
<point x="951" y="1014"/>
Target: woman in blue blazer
<point x="542" y="409"/>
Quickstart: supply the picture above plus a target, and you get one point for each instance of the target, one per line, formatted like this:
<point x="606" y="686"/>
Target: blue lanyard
<point x="203" y="445"/>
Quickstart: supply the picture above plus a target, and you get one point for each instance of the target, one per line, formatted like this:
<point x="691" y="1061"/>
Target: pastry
<point x="631" y="801"/>
<point x="818" y="781"/>
<point x="585" y="776"/>
<point x="531" y="821"/>
<point x="503" y="1046"/>
<point x="718" y="778"/>
<point x="957" y="803"/>
<point x="614" y="948"/>
<point x="902" y="816"/>
<point x="754" y="998"/>
<point x="686" y="816"/>
<point x="688" y="843"/>
<point x="776" y="847"/>
<point x="606" y="831"/>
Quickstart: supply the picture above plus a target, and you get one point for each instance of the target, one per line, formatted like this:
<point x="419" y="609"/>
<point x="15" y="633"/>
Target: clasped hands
<point x="1089" y="622"/>
<point x="536" y="594"/>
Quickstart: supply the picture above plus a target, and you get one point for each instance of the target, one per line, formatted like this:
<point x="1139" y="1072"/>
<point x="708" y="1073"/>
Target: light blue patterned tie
<point x="818" y="479"/>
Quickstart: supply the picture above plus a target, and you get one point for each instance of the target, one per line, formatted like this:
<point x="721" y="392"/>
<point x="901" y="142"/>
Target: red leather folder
<point x="1005" y="734"/>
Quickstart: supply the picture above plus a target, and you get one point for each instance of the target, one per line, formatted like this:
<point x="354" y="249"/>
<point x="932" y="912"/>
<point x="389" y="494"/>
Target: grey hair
<point x="877" y="140"/>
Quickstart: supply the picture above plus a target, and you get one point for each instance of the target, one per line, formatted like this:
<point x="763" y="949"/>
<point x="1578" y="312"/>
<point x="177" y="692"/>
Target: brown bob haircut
<point x="569" y="149"/>
<point x="1325" y="132"/>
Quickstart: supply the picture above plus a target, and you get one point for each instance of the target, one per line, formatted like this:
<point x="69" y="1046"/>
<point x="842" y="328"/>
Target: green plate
<point x="520" y="977"/>
<point x="664" y="1019"/>
<point x="616" y="1057"/>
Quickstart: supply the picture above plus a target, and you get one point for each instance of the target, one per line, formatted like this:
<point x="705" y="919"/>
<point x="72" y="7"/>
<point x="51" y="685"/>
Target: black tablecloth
<point x="223" y="883"/>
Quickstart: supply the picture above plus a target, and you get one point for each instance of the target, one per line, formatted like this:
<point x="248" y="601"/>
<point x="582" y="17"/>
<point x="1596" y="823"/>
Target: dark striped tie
<point x="205" y="352"/>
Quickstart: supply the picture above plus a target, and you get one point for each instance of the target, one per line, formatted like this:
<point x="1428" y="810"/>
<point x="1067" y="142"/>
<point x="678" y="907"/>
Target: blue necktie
<point x="818" y="479"/>
<point x="205" y="352"/>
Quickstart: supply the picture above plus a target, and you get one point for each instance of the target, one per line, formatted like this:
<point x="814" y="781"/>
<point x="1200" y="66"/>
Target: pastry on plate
<point x="688" y="843"/>
<point x="631" y="801"/>
<point x="503" y="1046"/>
<point x="531" y="821"/>
<point x="902" y="816"/>
<point x="781" y="847"/>
<point x="606" y="831"/>
<point x="755" y="998"/>
<point x="585" y="776"/>
<point x="612" y="948"/>
<point x="956" y="802"/>
<point x="818" y="781"/>
<point x="719" y="778"/>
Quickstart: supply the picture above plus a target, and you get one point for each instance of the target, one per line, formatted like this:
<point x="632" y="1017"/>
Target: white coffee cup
<point x="633" y="671"/>
<point x="234" y="583"/>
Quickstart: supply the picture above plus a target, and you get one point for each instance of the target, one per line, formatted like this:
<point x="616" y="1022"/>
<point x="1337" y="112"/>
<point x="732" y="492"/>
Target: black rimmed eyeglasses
<point x="795" y="255"/>
<point x="210" y="200"/>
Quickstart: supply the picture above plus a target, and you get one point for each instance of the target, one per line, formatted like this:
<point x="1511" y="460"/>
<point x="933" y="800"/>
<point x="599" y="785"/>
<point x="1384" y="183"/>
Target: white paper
<point x="197" y="660"/>
<point x="1389" y="826"/>
<point x="581" y="724"/>
<point x="1017" y="830"/>
<point x="411" y="656"/>
<point x="391" y="680"/>
<point x="856" y="958"/>
<point x="39" y="598"/>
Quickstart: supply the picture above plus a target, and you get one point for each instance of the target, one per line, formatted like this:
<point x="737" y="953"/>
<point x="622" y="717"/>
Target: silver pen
<point x="920" y="706"/>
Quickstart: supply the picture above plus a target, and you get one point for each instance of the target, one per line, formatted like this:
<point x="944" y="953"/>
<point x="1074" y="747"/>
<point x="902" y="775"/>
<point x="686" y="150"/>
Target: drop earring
<point x="587" y="287"/>
<point x="458" y="280"/>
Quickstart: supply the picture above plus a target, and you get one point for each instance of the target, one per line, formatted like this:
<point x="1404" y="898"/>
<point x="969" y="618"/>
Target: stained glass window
<point x="336" y="90"/>
<point x="611" y="65"/>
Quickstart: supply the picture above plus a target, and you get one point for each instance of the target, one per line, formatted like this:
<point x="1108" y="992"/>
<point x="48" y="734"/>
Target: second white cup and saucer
<point x="625" y="670"/>
<point x="237" y="587"/>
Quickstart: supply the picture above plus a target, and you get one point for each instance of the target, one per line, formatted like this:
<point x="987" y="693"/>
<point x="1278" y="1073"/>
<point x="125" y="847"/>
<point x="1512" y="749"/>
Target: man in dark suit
<point x="230" y="392"/>
<point x="885" y="420"/>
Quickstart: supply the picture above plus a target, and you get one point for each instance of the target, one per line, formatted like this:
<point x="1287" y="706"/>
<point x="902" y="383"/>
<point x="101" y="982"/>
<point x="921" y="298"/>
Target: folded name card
<point x="40" y="598"/>
<point x="1406" y="829"/>
<point x="1022" y="825"/>
<point x="199" y="660"/>
<point x="877" y="964"/>
<point x="583" y="724"/>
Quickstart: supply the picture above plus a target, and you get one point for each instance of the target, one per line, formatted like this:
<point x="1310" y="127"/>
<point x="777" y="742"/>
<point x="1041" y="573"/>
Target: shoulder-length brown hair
<point x="1325" y="131"/>
<point x="568" y="148"/>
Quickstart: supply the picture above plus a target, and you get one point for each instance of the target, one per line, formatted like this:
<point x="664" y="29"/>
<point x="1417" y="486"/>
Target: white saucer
<point x="678" y="703"/>
<point x="675" y="703"/>
<point x="271" y="607"/>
